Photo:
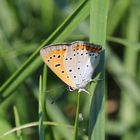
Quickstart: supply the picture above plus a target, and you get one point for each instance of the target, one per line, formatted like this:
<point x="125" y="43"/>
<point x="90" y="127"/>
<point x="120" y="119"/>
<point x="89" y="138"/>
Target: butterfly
<point x="74" y="63"/>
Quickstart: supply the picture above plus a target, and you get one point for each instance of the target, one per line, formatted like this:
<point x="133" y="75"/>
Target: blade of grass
<point x="43" y="97"/>
<point x="98" y="22"/>
<point x="87" y="99"/>
<point x="50" y="134"/>
<point x="40" y="113"/>
<point x="76" y="125"/>
<point x="34" y="61"/>
<point x="128" y="108"/>
<point x="120" y="8"/>
<point x="126" y="42"/>
<point x="32" y="124"/>
<point x="17" y="121"/>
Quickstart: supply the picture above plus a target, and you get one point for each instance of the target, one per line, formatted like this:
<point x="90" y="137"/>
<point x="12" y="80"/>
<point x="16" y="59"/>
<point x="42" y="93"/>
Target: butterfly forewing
<point x="54" y="56"/>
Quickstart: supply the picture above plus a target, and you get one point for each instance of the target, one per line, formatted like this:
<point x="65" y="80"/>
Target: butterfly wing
<point x="72" y="63"/>
<point x="81" y="60"/>
<point x="92" y="60"/>
<point x="54" y="57"/>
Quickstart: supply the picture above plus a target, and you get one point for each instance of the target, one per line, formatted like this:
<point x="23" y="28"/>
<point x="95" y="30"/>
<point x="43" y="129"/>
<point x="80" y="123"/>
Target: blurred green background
<point x="25" y="24"/>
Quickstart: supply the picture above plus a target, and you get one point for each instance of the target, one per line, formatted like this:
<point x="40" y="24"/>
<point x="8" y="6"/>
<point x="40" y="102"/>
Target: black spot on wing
<point x="57" y="65"/>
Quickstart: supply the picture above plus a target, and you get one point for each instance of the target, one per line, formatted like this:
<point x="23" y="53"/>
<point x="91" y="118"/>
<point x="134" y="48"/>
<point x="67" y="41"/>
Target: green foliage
<point x="26" y="27"/>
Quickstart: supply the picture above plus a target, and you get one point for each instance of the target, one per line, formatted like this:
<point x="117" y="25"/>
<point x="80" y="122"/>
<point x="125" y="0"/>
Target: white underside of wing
<point x="80" y="66"/>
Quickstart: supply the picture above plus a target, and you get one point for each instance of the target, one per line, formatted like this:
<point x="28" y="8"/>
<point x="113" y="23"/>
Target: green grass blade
<point x="126" y="42"/>
<point x="130" y="64"/>
<point x="49" y="134"/>
<point x="17" y="121"/>
<point x="120" y="7"/>
<point x="33" y="62"/>
<point x="33" y="124"/>
<point x="76" y="125"/>
<point x="98" y="22"/>
<point x="44" y="89"/>
<point x="40" y="113"/>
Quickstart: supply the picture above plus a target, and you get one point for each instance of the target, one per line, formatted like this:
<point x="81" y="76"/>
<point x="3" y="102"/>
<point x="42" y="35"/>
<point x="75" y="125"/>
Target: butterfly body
<point x="73" y="63"/>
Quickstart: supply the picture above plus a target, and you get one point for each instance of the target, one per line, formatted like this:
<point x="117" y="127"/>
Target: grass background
<point x="25" y="27"/>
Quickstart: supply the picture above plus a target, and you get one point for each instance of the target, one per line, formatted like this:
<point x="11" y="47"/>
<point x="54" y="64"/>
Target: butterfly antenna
<point x="51" y="90"/>
<point x="60" y="97"/>
<point x="84" y="90"/>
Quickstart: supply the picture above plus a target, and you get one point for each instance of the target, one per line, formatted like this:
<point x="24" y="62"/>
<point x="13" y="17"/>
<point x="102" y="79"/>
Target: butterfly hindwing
<point x="81" y="60"/>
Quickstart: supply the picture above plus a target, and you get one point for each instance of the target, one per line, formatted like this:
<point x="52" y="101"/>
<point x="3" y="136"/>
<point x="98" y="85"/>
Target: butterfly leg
<point x="70" y="88"/>
<point x="80" y="90"/>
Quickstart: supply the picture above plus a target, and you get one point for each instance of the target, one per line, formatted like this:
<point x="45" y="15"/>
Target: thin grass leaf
<point x="17" y="122"/>
<point x="44" y="89"/>
<point x="120" y="7"/>
<point x="76" y="124"/>
<point x="98" y="23"/>
<point x="43" y="99"/>
<point x="126" y="42"/>
<point x="33" y="124"/>
<point x="87" y="99"/>
<point x="50" y="134"/>
<point x="41" y="126"/>
<point x="34" y="61"/>
<point x="128" y="108"/>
